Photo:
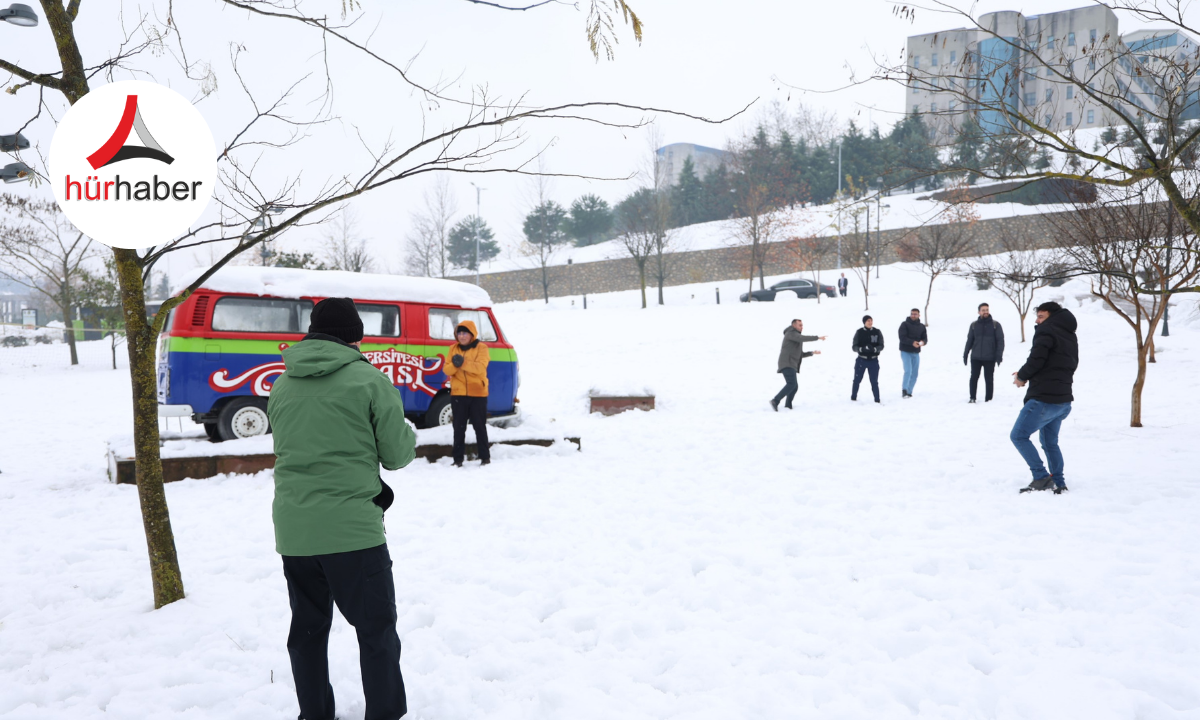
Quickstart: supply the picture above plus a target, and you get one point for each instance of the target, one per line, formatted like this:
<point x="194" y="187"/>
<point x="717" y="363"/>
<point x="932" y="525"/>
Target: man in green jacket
<point x="336" y="419"/>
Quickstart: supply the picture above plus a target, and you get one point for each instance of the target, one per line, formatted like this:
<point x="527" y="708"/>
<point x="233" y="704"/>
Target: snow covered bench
<point x="191" y="455"/>
<point x="613" y="400"/>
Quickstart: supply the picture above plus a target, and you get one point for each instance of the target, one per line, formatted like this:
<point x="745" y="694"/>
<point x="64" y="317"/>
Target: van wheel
<point x="439" y="412"/>
<point x="243" y="418"/>
<point x="210" y="429"/>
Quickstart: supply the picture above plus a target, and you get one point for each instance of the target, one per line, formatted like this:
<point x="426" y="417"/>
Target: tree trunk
<point x="928" y="296"/>
<point x="1135" y="406"/>
<point x="545" y="285"/>
<point x="642" y="279"/>
<point x="64" y="306"/>
<point x="139" y="338"/>
<point x="1023" y="316"/>
<point x="1151" y="344"/>
<point x="113" y="339"/>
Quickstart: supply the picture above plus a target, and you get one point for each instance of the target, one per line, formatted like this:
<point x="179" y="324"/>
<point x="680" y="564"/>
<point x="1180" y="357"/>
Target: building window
<point x="953" y="56"/>
<point x="1070" y="92"/>
<point x="952" y="106"/>
<point x="1070" y="39"/>
<point x="1049" y="94"/>
<point x="933" y="60"/>
<point x="1049" y="72"/>
<point x="916" y="61"/>
<point x="1091" y="63"/>
<point x="916" y="89"/>
<point x="1050" y="43"/>
<point x="1046" y="121"/>
<point x="1070" y="119"/>
<point x="1091" y="116"/>
<point x="1030" y="98"/>
<point x="932" y="107"/>
<point x="1091" y="36"/>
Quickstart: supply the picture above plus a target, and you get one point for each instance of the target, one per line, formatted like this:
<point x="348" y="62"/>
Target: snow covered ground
<point x="709" y="559"/>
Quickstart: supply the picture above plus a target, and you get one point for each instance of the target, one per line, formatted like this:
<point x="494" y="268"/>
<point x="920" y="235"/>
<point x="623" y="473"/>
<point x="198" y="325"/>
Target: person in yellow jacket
<point x="466" y="366"/>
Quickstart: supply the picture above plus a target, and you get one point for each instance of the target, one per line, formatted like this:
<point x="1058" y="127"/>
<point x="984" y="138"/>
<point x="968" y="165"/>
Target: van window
<point x="442" y="322"/>
<point x="379" y="320"/>
<point x="266" y="315"/>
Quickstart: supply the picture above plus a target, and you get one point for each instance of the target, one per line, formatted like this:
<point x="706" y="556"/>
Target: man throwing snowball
<point x="1049" y="372"/>
<point x="790" y="357"/>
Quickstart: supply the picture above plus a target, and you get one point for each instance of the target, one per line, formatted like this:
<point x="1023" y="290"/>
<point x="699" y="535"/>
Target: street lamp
<point x="1166" y="331"/>
<point x="478" y="221"/>
<point x="263" y="221"/>
<point x="12" y="143"/>
<point x="15" y="172"/>
<point x="878" y="222"/>
<point x="839" y="197"/>
<point x="19" y="14"/>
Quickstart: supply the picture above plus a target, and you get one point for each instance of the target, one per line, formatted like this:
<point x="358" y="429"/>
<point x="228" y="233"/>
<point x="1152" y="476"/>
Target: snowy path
<point x="708" y="560"/>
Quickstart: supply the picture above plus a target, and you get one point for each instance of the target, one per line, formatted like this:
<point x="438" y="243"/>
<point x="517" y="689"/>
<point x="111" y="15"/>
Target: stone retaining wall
<point x="731" y="263"/>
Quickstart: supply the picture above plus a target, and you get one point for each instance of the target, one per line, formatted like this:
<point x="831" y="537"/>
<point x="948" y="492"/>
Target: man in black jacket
<point x="985" y="346"/>
<point x="843" y="283"/>
<point x="868" y="343"/>
<point x="790" y="356"/>
<point x="1049" y="372"/>
<point x="912" y="337"/>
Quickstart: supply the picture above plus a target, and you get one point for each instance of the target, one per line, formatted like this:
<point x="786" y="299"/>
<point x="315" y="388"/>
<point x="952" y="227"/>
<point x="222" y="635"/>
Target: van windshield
<point x="442" y="322"/>
<point x="265" y="315"/>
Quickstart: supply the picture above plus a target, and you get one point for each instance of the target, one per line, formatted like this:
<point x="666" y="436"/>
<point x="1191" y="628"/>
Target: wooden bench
<point x="613" y="404"/>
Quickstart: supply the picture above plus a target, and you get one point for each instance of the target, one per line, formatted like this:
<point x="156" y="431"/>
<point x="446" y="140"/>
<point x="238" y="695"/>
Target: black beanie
<point x="866" y="318"/>
<point x="337" y="317"/>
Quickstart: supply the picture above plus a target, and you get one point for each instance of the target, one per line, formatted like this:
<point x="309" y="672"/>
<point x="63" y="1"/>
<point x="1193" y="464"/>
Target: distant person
<point x="336" y="419"/>
<point x="985" y="346"/>
<point x="912" y="338"/>
<point x="790" y="356"/>
<point x="1050" y="372"/>
<point x="467" y="369"/>
<point x="843" y="284"/>
<point x="868" y="343"/>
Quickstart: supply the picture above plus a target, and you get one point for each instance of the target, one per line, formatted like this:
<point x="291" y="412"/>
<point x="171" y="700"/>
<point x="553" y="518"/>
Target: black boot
<point x="1043" y="484"/>
<point x="775" y="405"/>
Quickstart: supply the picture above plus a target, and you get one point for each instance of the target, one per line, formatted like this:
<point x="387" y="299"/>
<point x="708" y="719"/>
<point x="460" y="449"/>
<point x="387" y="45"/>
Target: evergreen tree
<point x="545" y="225"/>
<point x="302" y="261"/>
<point x="916" y="158"/>
<point x="462" y="242"/>
<point x="687" y="201"/>
<point x="718" y="196"/>
<point x="969" y="148"/>
<point x="590" y="220"/>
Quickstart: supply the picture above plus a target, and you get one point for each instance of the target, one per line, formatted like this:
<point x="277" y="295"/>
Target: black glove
<point x="385" y="497"/>
<point x="457" y="360"/>
<point x="964" y="360"/>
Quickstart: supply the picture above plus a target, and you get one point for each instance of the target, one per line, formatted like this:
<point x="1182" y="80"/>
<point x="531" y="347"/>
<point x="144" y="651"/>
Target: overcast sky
<point x="704" y="57"/>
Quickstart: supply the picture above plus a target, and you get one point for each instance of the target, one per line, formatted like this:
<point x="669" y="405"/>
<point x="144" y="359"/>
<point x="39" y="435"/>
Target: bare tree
<point x="762" y="215"/>
<point x="812" y="254"/>
<point x="427" y="248"/>
<point x="1136" y="250"/>
<point x="653" y="213"/>
<point x="344" y="248"/>
<point x="1019" y="271"/>
<point x="854" y="233"/>
<point x="479" y="134"/>
<point x="638" y="228"/>
<point x="937" y="247"/>
<point x="41" y="250"/>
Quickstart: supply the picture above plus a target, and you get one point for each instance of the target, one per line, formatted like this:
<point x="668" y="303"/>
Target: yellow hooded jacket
<point x="471" y="379"/>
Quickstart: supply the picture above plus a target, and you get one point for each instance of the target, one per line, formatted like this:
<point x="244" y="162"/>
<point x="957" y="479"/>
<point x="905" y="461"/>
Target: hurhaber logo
<point x="121" y="183"/>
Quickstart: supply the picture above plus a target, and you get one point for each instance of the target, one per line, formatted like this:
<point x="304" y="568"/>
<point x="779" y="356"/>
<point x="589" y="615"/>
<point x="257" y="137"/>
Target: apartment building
<point x="972" y="72"/>
<point x="671" y="158"/>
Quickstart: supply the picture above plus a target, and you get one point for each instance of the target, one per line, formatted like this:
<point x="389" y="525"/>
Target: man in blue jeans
<point x="913" y="337"/>
<point x="1049" y="372"/>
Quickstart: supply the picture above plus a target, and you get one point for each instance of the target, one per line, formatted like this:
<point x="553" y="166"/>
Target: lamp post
<point x="878" y="221"/>
<point x="19" y="14"/>
<point x="1166" y="331"/>
<point x="263" y="222"/>
<point x="478" y="220"/>
<point x="839" y="197"/>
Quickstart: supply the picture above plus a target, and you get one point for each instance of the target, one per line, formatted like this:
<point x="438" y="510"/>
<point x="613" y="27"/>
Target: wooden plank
<point x="199" y="468"/>
<point x="612" y="404"/>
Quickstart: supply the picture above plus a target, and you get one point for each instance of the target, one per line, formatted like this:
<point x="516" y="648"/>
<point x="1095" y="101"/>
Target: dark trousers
<point x="871" y="367"/>
<point x="470" y="410"/>
<point x="789" y="389"/>
<point x="987" y="368"/>
<point x="360" y="582"/>
<point x="842" y="291"/>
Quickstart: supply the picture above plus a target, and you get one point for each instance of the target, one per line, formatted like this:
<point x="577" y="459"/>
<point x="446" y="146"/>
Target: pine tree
<point x="687" y="201"/>
<point x="545" y="225"/>
<point x="462" y="242"/>
<point x="717" y="201"/>
<point x="590" y="220"/>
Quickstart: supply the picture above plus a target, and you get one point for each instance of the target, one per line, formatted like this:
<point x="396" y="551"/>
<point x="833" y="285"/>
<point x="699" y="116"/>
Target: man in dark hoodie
<point x="985" y="345"/>
<point x="912" y="338"/>
<point x="790" y="356"/>
<point x="868" y="343"/>
<point x="336" y="419"/>
<point x="1049" y="372"/>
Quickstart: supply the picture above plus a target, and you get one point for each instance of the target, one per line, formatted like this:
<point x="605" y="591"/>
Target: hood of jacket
<point x="470" y="326"/>
<point x="315" y="358"/>
<point x="1063" y="319"/>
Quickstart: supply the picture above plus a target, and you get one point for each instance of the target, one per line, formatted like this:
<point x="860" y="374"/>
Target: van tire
<point x="242" y="418"/>
<point x="439" y="412"/>
<point x="213" y="433"/>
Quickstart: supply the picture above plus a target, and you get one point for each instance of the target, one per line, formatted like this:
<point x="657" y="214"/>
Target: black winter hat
<point x="866" y="318"/>
<point x="337" y="317"/>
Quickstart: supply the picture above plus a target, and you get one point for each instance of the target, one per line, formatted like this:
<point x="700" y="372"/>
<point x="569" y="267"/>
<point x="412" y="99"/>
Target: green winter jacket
<point x="335" y="420"/>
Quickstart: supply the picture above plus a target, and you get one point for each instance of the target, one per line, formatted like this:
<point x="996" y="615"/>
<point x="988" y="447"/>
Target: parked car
<point x="220" y="349"/>
<point x="803" y="289"/>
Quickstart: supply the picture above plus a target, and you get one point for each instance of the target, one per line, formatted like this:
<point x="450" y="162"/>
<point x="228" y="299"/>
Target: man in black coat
<point x="1049" y="372"/>
<point x="843" y="283"/>
<point x="985" y="346"/>
<point x="913" y="337"/>
<point x="868" y="343"/>
<point x="790" y="356"/>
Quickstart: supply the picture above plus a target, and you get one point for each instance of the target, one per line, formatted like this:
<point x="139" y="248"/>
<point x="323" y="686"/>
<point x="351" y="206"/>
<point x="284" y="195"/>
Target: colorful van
<point x="220" y="349"/>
